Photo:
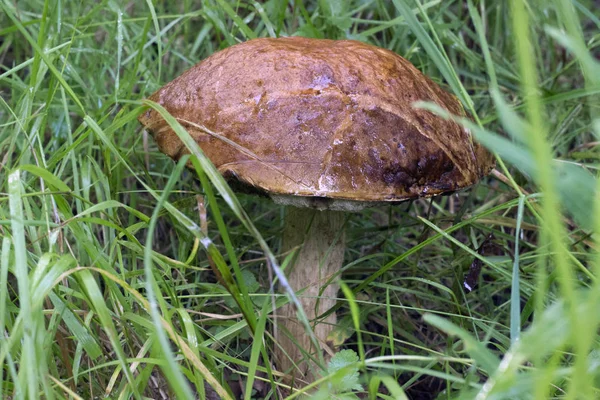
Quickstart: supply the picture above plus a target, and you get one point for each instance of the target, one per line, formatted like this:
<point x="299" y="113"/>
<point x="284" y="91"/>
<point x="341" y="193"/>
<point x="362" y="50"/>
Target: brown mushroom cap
<point x="320" y="119"/>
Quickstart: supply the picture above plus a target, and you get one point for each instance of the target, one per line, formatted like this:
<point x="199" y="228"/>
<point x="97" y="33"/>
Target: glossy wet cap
<point x="306" y="120"/>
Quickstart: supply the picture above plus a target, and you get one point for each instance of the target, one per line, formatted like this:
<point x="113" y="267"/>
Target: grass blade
<point x="176" y="379"/>
<point x="29" y="359"/>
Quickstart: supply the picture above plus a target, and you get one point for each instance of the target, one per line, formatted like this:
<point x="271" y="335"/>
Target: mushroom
<point x="323" y="127"/>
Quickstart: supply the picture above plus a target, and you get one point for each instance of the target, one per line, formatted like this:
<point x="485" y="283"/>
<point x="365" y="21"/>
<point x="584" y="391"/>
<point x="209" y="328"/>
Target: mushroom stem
<point x="321" y="239"/>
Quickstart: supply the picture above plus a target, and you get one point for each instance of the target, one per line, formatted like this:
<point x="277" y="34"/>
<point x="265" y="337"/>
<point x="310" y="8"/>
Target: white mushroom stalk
<point x="319" y="241"/>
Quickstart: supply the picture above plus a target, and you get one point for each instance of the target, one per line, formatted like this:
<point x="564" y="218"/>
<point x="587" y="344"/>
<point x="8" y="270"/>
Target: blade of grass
<point x="4" y="260"/>
<point x="97" y="301"/>
<point x="515" y="296"/>
<point x="192" y="340"/>
<point x="390" y="383"/>
<point x="171" y="370"/>
<point x="355" y="313"/>
<point x="480" y="353"/>
<point x="435" y="51"/>
<point x="478" y="24"/>
<point x="257" y="346"/>
<point x="553" y="230"/>
<point x="568" y="16"/>
<point x="245" y="302"/>
<point x="80" y="332"/>
<point x="159" y="59"/>
<point x="28" y="360"/>
<point x="243" y="27"/>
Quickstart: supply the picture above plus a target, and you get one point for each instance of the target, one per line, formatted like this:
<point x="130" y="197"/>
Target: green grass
<point x="124" y="275"/>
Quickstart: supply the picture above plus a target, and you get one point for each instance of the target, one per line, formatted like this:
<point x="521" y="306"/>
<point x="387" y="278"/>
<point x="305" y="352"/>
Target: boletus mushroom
<point x="324" y="127"/>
